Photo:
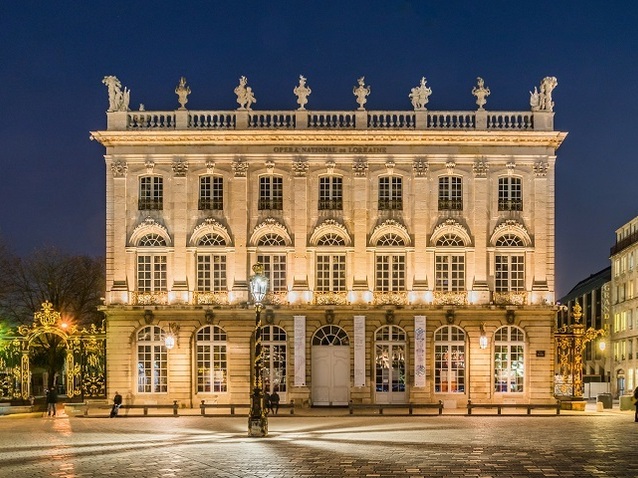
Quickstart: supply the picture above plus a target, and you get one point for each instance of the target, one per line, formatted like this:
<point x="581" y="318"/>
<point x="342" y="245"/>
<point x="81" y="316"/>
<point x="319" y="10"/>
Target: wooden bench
<point x="234" y="406"/>
<point x="500" y="406"/>
<point x="410" y="407"/>
<point x="144" y="407"/>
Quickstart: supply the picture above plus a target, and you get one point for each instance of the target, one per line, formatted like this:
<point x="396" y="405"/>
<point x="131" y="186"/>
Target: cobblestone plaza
<point x="588" y="444"/>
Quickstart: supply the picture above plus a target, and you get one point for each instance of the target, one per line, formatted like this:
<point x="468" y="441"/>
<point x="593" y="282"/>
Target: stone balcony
<point x="184" y="120"/>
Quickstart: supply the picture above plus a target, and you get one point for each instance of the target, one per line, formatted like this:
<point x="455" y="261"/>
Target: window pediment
<point x="210" y="227"/>
<point x="330" y="229"/>
<point x="390" y="231"/>
<point x="270" y="227"/>
<point x="507" y="228"/>
<point x="149" y="227"/>
<point x="448" y="229"/>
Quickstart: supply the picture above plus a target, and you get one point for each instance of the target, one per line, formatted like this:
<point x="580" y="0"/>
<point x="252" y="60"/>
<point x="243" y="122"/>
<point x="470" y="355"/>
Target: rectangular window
<point x="331" y="273"/>
<point x="450" y="273"/>
<point x="450" y="193"/>
<point x="151" y="193"/>
<point x="271" y="193"/>
<point x="449" y="368"/>
<point x="151" y="273"/>
<point x="211" y="273"/>
<point x="211" y="193"/>
<point x="509" y="273"/>
<point x="152" y="370"/>
<point x="330" y="193"/>
<point x="390" y="273"/>
<point x="510" y="194"/>
<point x="211" y="368"/>
<point x="390" y="193"/>
<point x="275" y="271"/>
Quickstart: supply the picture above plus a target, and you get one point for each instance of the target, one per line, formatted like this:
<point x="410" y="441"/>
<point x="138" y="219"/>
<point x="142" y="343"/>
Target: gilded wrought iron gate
<point x="85" y="356"/>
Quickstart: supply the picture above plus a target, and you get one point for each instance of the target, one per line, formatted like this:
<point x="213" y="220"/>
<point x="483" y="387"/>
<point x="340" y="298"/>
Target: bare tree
<point x="73" y="284"/>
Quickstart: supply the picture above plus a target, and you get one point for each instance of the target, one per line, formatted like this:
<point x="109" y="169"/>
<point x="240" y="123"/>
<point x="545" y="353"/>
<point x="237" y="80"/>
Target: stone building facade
<point x="410" y="254"/>
<point x="624" y="295"/>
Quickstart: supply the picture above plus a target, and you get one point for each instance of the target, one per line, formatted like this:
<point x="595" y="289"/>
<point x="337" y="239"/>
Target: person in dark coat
<point x="52" y="399"/>
<point x="267" y="403"/>
<point x="636" y="404"/>
<point x="274" y="402"/>
<point x="117" y="403"/>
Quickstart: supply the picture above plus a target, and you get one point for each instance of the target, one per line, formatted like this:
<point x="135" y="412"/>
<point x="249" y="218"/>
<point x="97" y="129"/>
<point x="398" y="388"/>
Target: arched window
<point x="331" y="239"/>
<point x="509" y="359"/>
<point x="390" y="240"/>
<point x="330" y="335"/>
<point x="449" y="360"/>
<point x="151" y="240"/>
<point x="271" y="239"/>
<point x="152" y="371"/>
<point x="450" y="240"/>
<point x="212" y="360"/>
<point x="273" y="347"/>
<point x="509" y="240"/>
<point x="212" y="240"/>
<point x="390" y="353"/>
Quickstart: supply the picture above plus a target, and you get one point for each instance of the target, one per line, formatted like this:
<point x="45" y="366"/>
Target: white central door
<point x="330" y="367"/>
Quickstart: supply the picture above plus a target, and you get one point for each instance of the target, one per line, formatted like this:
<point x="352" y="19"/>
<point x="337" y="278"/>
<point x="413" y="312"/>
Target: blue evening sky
<point x="53" y="56"/>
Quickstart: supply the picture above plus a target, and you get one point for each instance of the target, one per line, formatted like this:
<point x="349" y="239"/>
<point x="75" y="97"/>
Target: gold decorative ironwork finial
<point x="258" y="268"/>
<point x="577" y="312"/>
<point x="47" y="316"/>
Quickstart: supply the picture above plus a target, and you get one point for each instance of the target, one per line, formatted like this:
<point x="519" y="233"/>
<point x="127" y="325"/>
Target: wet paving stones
<point x="587" y="445"/>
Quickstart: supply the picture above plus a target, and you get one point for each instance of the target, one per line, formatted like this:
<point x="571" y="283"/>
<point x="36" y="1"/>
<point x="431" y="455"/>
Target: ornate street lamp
<point x="257" y="419"/>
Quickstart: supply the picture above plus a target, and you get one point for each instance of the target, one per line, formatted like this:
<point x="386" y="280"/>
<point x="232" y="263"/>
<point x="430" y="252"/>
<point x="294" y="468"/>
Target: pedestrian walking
<point x="117" y="403"/>
<point x="267" y="403"/>
<point x="52" y="399"/>
<point x="636" y="404"/>
<point x="274" y="402"/>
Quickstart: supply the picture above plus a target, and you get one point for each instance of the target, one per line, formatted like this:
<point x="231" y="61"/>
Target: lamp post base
<point x="257" y="427"/>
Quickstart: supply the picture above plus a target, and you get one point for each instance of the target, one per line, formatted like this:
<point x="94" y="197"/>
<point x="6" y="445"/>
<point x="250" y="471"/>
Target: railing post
<point x="181" y="119"/>
<point x="203" y="408"/>
<point x="175" y="408"/>
<point x="469" y="407"/>
<point x="480" y="120"/>
<point x="440" y="407"/>
<point x="421" y="119"/>
<point x="361" y="119"/>
<point x="241" y="119"/>
<point x="116" y="120"/>
<point x="543" y="120"/>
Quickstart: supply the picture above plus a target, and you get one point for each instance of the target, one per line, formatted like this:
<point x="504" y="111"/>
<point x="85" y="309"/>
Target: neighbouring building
<point x="410" y="254"/>
<point x="624" y="284"/>
<point x="594" y="297"/>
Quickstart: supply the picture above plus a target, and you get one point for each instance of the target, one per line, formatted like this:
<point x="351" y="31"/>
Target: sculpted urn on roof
<point x="302" y="92"/>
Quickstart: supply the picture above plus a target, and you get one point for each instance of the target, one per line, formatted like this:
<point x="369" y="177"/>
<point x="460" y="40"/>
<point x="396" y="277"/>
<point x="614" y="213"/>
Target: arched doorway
<point x="330" y="366"/>
<point x="390" y="367"/>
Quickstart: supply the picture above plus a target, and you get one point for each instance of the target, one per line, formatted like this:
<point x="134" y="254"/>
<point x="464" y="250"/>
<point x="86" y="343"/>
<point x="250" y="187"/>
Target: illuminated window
<point x="212" y="360"/>
<point x="449" y="360"/>
<point x="152" y="370"/>
<point x="273" y="347"/>
<point x="509" y="359"/>
<point x="331" y="273"/>
<point x="390" y="345"/>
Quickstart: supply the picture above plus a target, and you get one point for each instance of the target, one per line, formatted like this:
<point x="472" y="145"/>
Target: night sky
<point x="53" y="56"/>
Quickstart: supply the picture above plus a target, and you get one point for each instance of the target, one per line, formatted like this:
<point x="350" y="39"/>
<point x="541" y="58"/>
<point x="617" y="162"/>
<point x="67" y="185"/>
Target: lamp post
<point x="257" y="419"/>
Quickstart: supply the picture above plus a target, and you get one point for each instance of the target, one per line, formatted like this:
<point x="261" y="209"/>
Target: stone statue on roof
<point x="542" y="100"/>
<point x="302" y="92"/>
<point x="361" y="92"/>
<point x="118" y="98"/>
<point x="420" y="95"/>
<point x="245" y="95"/>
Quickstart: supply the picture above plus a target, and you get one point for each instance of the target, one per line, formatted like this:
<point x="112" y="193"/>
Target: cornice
<point x="551" y="139"/>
